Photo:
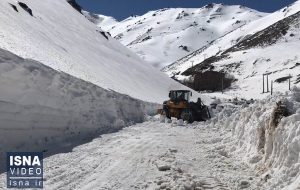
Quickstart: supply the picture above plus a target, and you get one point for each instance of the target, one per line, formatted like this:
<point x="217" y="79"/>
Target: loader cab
<point x="180" y="95"/>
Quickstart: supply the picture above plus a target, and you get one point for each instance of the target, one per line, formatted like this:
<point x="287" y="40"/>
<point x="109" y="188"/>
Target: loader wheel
<point x="186" y="115"/>
<point x="166" y="113"/>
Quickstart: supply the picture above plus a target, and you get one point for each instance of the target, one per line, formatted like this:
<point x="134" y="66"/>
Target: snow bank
<point x="41" y="107"/>
<point x="273" y="149"/>
<point x="76" y="87"/>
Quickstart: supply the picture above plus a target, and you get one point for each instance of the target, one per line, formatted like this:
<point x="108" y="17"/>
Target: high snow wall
<point x="269" y="144"/>
<point x="41" y="107"/>
<point x="60" y="37"/>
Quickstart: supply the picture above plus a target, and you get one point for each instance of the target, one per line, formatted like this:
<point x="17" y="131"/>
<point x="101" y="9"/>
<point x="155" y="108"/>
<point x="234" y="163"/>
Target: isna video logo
<point x="24" y="170"/>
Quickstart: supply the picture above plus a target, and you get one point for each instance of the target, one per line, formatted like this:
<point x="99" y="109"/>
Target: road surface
<point x="151" y="155"/>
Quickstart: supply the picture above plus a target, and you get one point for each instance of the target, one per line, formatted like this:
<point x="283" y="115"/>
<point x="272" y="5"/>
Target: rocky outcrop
<point x="75" y="5"/>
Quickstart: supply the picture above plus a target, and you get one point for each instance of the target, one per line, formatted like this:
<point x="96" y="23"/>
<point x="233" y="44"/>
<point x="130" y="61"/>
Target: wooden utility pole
<point x="263" y="83"/>
<point x="194" y="82"/>
<point x="271" y="87"/>
<point x="268" y="83"/>
<point x="267" y="79"/>
<point x="289" y="82"/>
<point x="222" y="84"/>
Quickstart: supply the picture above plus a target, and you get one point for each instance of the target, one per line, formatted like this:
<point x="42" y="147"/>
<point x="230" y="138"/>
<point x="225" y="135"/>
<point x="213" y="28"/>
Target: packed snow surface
<point x="60" y="37"/>
<point x="161" y="37"/>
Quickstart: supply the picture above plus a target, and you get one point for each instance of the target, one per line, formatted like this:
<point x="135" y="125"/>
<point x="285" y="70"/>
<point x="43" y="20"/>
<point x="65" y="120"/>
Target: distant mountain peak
<point x="211" y="5"/>
<point x="176" y="31"/>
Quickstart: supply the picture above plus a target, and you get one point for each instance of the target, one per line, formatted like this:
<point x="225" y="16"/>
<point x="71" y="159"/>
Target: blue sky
<point x="121" y="9"/>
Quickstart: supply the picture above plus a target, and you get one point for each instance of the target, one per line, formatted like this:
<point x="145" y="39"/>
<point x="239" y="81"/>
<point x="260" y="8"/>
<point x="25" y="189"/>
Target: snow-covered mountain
<point x="161" y="37"/>
<point x="55" y="34"/>
<point x="63" y="80"/>
<point x="267" y="45"/>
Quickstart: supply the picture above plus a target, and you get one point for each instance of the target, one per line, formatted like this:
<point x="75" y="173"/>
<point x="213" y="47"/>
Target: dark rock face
<point x="14" y="7"/>
<point x="147" y="38"/>
<point x="25" y="7"/>
<point x="206" y="65"/>
<point x="279" y="112"/>
<point x="103" y="34"/>
<point x="185" y="48"/>
<point x="296" y="65"/>
<point x="211" y="80"/>
<point x="298" y="79"/>
<point x="206" y="79"/>
<point x="267" y="36"/>
<point x="74" y="4"/>
<point x="210" y="6"/>
<point x="182" y="15"/>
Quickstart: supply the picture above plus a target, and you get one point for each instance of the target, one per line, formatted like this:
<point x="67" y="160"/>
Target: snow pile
<point x="41" y="107"/>
<point x="162" y="36"/>
<point x="60" y="37"/>
<point x="266" y="139"/>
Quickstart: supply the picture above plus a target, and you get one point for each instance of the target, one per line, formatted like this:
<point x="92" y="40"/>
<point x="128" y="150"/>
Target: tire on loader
<point x="186" y="115"/>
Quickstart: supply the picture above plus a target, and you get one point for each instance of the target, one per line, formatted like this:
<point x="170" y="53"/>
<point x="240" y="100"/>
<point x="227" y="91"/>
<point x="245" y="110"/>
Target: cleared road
<point x="151" y="155"/>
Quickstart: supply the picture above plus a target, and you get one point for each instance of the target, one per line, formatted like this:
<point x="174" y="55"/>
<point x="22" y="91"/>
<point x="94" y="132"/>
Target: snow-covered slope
<point x="60" y="37"/>
<point x="41" y="107"/>
<point x="266" y="45"/>
<point x="163" y="36"/>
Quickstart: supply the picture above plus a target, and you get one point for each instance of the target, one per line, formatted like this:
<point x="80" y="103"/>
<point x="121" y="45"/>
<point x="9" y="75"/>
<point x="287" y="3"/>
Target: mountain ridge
<point x="270" y="47"/>
<point x="162" y="36"/>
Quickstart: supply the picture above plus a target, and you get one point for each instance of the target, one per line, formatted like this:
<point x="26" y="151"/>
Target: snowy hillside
<point x="163" y="36"/>
<point x="55" y="34"/>
<point x="267" y="45"/>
